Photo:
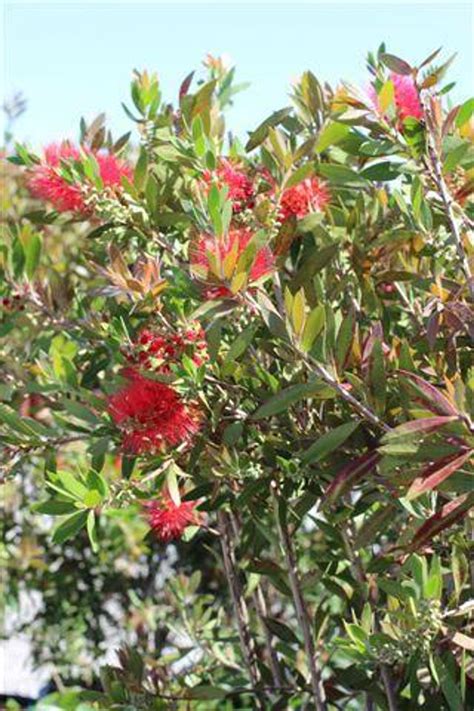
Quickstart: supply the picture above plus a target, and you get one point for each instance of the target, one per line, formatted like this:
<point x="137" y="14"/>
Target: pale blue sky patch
<point x="73" y="59"/>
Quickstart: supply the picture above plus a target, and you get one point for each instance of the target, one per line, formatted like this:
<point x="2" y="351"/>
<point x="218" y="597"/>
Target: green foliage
<point x="327" y="564"/>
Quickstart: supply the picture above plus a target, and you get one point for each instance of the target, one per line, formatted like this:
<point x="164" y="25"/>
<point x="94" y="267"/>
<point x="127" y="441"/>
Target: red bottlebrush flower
<point x="311" y="195"/>
<point x="241" y="191"/>
<point x="151" y="415"/>
<point x="157" y="351"/>
<point x="407" y="99"/>
<point x="209" y="254"/>
<point x="46" y="182"/>
<point x="169" y="520"/>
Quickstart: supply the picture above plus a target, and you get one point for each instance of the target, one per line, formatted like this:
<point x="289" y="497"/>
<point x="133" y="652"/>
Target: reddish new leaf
<point x="349" y="475"/>
<point x="184" y="88"/>
<point x="429" y="395"/>
<point x="436" y="473"/>
<point x="445" y="517"/>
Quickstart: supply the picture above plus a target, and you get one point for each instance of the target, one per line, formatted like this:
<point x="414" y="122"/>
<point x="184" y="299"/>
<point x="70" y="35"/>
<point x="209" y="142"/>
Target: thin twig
<point x="261" y="608"/>
<point x="300" y="607"/>
<point x="387" y="683"/>
<point x="247" y="642"/>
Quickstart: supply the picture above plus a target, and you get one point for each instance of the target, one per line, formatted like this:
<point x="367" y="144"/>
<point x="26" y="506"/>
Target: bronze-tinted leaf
<point x="445" y="517"/>
<point x="436" y="473"/>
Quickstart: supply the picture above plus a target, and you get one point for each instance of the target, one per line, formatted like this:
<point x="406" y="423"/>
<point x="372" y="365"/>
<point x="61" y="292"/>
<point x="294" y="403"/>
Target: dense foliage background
<point x="237" y="398"/>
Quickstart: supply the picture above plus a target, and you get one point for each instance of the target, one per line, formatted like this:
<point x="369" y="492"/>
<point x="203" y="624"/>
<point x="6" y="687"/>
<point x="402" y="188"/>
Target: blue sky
<point x="72" y="59"/>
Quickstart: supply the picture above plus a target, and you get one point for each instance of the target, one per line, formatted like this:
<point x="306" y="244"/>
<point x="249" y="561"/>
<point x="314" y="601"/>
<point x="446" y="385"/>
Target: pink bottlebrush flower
<point x="241" y="190"/>
<point x="169" y="520"/>
<point x="311" y="195"/>
<point x="406" y="97"/>
<point x="46" y="182"/>
<point x="151" y="415"/>
<point x="210" y="249"/>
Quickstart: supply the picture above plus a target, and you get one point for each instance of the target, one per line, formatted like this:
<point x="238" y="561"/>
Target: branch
<point x="247" y="642"/>
<point x="261" y="608"/>
<point x="387" y="683"/>
<point x="300" y="607"/>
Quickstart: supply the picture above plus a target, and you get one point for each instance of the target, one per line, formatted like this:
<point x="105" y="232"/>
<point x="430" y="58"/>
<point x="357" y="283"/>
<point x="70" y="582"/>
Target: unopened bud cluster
<point x="419" y="638"/>
<point x="106" y="208"/>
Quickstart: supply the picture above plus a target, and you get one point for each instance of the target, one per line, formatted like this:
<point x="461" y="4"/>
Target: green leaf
<point x="377" y="377"/>
<point x="71" y="484"/>
<point x="55" y="507"/>
<point x="313" y="327"/>
<point x="381" y="171"/>
<point x="455" y="156"/>
<point x="281" y="631"/>
<point x="92" y="531"/>
<point x="92" y="499"/>
<point x="299" y="175"/>
<point x="344" y="340"/>
<point x="448" y="684"/>
<point x="316" y="261"/>
<point x="241" y="343"/>
<point x="287" y="397"/>
<point x="465" y="112"/>
<point x="337" y="173"/>
<point x="80" y="411"/>
<point x="397" y="65"/>
<point x="259" y="135"/>
<point x="141" y="168"/>
<point x="97" y="481"/>
<point x="70" y="527"/>
<point x="434" y="584"/>
<point x="328" y="442"/>
<point x="32" y="250"/>
<point x="331" y="134"/>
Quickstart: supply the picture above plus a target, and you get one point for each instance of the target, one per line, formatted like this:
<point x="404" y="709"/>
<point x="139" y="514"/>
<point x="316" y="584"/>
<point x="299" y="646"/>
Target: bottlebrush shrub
<point x="244" y="375"/>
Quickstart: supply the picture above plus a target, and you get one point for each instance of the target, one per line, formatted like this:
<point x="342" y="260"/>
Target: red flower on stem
<point x="211" y="255"/>
<point x="405" y="97"/>
<point x="169" y="519"/>
<point x="310" y="195"/>
<point x="157" y="351"/>
<point x="46" y="182"/>
<point x="241" y="190"/>
<point x="151" y="415"/>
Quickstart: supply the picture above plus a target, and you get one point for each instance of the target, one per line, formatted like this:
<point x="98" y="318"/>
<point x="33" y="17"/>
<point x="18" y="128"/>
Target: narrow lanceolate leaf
<point x="70" y="527"/>
<point x="344" y="340"/>
<point x="433" y="475"/>
<point x="287" y="397"/>
<point x="331" y="134"/>
<point x="241" y="343"/>
<point x="328" y="442"/>
<point x="313" y="327"/>
<point x="313" y="264"/>
<point x="379" y="521"/>
<point x="351" y="473"/>
<point x="377" y="377"/>
<point x="54" y="507"/>
<point x="449" y="685"/>
<point x="445" y="517"/>
<point x="430" y="396"/>
<point x="423" y="426"/>
<point x="300" y="174"/>
<point x="397" y="65"/>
